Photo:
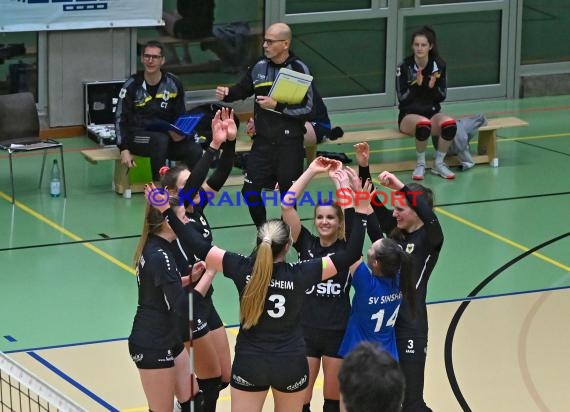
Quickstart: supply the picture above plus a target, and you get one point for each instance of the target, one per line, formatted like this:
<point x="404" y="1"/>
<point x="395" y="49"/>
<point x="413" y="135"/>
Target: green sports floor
<point x="66" y="278"/>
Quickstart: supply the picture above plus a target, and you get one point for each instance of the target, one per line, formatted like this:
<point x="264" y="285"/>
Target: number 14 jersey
<point x="374" y="311"/>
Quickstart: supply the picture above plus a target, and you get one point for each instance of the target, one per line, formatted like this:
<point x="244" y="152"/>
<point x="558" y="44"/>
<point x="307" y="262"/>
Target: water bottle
<point x="55" y="181"/>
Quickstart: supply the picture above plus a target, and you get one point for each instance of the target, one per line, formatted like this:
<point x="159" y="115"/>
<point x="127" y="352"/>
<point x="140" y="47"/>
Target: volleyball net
<point x="21" y="391"/>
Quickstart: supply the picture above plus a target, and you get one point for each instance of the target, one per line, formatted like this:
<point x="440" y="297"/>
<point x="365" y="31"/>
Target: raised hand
<point x="335" y="165"/>
<point x="355" y="183"/>
<point x="390" y="181"/>
<point x="340" y="179"/>
<point x="320" y="164"/>
<point x="157" y="197"/>
<point x="219" y="130"/>
<point x="362" y="196"/>
<point x="229" y="122"/>
<point x="362" y="152"/>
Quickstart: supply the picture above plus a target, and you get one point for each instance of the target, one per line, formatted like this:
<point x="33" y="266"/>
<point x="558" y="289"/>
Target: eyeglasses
<point x="151" y="57"/>
<point x="271" y="41"/>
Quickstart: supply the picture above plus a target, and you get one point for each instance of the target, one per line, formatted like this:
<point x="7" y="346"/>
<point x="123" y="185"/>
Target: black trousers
<point x="159" y="147"/>
<point x="269" y="163"/>
<point x="412" y="353"/>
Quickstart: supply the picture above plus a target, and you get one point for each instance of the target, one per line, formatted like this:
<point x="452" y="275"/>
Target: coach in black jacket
<point x="277" y="153"/>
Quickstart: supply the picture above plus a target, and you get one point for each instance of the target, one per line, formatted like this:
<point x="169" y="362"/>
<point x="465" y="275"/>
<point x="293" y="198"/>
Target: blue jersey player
<point x="378" y="295"/>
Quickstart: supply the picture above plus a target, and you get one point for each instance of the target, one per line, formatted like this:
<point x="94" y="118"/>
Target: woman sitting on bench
<point x="421" y="85"/>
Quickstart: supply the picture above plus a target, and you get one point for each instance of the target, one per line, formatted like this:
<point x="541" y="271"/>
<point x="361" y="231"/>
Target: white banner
<point x="40" y="15"/>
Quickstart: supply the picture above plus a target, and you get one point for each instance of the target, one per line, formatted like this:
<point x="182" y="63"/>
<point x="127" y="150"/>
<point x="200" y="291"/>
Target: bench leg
<point x="488" y="145"/>
<point x="121" y="181"/>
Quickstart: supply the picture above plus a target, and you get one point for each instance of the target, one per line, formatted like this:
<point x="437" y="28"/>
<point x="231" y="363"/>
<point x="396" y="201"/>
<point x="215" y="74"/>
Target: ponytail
<point x="153" y="221"/>
<point x="272" y="237"/>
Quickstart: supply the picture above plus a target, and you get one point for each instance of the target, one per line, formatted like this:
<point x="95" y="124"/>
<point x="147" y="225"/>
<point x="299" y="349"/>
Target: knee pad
<point x="211" y="390"/>
<point x="423" y="130"/>
<point x="448" y="129"/>
<point x="331" y="405"/>
<point x="198" y="403"/>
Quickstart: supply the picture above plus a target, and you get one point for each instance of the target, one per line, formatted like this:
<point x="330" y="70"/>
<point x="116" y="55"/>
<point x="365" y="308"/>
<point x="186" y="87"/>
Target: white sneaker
<point x="419" y="172"/>
<point x="442" y="170"/>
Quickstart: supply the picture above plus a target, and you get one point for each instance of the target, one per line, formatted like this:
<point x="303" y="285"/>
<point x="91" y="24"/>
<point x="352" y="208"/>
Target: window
<point x="545" y="31"/>
<point x="346" y="57"/>
<point x="19" y="63"/>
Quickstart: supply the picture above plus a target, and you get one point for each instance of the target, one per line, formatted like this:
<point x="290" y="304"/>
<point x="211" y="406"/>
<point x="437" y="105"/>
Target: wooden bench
<point x="486" y="149"/>
<point x="486" y="146"/>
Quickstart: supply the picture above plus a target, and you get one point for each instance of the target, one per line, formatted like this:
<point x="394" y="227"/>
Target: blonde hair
<point x="272" y="237"/>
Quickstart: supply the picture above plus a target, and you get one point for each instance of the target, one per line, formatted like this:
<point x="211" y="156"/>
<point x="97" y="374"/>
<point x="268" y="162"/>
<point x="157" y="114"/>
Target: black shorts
<point x="206" y="317"/>
<point x="322" y="342"/>
<point x="428" y="114"/>
<point x="256" y="373"/>
<point x="412" y="349"/>
<point x="154" y="358"/>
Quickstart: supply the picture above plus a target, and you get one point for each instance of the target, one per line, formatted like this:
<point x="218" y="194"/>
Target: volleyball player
<point x="415" y="227"/>
<point x="378" y="286"/>
<point x="161" y="320"/>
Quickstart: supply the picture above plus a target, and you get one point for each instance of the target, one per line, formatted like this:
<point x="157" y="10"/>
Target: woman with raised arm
<point x="270" y="349"/>
<point x="379" y="286"/>
<point x="414" y="225"/>
<point x="421" y="86"/>
<point x="209" y="340"/>
<point x="326" y="305"/>
<point x="161" y="320"/>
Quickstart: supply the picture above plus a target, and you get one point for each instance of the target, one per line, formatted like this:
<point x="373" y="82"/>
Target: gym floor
<point x="498" y="299"/>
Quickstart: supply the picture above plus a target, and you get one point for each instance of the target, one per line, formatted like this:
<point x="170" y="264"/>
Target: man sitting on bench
<point x="148" y="99"/>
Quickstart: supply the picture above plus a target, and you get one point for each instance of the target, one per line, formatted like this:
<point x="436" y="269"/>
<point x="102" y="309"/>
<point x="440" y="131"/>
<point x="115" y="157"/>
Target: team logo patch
<point x="165" y="95"/>
<point x="238" y="379"/>
<point x="123" y="93"/>
<point x="398" y="72"/>
<point x="298" y="384"/>
<point x="409" y="248"/>
<point x="137" y="357"/>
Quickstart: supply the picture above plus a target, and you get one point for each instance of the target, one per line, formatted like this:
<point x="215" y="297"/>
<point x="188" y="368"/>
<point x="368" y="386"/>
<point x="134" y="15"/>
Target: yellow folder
<point x="290" y="87"/>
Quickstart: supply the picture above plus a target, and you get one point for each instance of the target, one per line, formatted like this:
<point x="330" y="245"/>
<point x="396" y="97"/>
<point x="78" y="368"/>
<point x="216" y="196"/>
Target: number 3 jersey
<point x="278" y="331"/>
<point x="374" y="311"/>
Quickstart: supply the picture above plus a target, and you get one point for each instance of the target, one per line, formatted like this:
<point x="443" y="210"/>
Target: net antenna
<point x="191" y="350"/>
<point x="20" y="390"/>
